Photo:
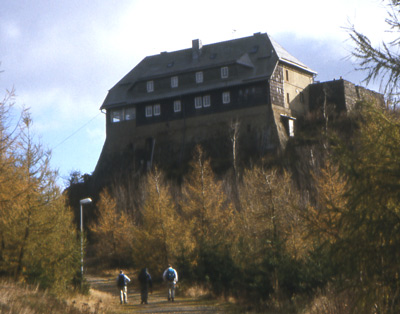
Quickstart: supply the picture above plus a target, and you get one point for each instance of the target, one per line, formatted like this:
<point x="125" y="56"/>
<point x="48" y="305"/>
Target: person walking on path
<point x="122" y="283"/>
<point x="145" y="284"/>
<point x="171" y="277"/>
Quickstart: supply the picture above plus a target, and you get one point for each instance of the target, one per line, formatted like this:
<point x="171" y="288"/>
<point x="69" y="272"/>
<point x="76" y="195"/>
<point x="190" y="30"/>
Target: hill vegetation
<point x="322" y="224"/>
<point x="38" y="243"/>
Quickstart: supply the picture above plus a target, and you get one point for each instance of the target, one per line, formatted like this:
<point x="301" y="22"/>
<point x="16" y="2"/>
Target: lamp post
<point x="83" y="201"/>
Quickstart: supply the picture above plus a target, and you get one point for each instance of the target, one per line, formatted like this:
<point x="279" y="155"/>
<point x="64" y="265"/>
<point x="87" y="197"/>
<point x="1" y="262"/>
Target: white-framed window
<point x="149" y="111"/>
<point x="130" y="113"/>
<point x="199" y="77"/>
<point x="174" y="81"/>
<point x="198" y="102"/>
<point x="289" y="124"/>
<point x="116" y="115"/>
<point x="224" y="72"/>
<point x="226" y="97"/>
<point x="156" y="110"/>
<point x="177" y="106"/>
<point x="206" y="101"/>
<point x="291" y="128"/>
<point x="150" y="86"/>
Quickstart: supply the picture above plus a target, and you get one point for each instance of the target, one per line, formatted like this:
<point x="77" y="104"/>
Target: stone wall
<point x="341" y="95"/>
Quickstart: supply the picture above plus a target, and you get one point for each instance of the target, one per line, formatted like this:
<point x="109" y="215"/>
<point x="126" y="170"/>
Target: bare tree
<point x="381" y="63"/>
<point x="235" y="143"/>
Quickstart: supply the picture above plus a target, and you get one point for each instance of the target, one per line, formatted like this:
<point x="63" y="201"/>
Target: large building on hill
<point x="174" y="99"/>
<point x="169" y="102"/>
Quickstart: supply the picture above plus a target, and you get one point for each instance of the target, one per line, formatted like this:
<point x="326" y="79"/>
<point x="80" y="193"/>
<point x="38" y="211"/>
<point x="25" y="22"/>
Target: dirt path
<point x="158" y="303"/>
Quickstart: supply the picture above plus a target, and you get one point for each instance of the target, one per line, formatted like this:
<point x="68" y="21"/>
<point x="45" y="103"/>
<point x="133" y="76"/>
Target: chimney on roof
<point x="196" y="48"/>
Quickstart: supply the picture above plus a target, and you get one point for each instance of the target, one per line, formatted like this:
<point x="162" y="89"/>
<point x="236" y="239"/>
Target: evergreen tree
<point x="323" y="218"/>
<point x="38" y="239"/>
<point x="208" y="215"/>
<point x="270" y="230"/>
<point x="8" y="183"/>
<point x="381" y="62"/>
<point x="367" y="251"/>
<point x="156" y="238"/>
<point x="112" y="233"/>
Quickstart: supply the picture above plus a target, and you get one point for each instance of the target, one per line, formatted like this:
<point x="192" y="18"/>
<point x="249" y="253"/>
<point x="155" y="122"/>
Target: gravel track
<point x="158" y="302"/>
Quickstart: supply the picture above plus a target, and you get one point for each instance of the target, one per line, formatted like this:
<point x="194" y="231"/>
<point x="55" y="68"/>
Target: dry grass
<point x="330" y="301"/>
<point x="96" y="302"/>
<point x="24" y="299"/>
<point x="29" y="300"/>
<point x="196" y="292"/>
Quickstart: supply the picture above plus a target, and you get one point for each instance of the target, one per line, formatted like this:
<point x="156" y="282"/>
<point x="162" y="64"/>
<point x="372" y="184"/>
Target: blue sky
<point x="63" y="56"/>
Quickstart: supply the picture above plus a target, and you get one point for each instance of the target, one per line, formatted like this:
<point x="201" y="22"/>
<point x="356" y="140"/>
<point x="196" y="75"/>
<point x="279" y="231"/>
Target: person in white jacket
<point x="170" y="276"/>
<point x="122" y="283"/>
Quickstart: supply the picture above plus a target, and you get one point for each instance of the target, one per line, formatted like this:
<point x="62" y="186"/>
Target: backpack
<point x="121" y="280"/>
<point x="170" y="274"/>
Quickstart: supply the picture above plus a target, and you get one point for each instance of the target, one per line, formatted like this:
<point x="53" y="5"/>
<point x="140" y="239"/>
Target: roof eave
<point x="297" y="65"/>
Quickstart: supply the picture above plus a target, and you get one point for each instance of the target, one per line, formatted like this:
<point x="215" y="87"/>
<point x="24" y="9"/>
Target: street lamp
<point x="84" y="201"/>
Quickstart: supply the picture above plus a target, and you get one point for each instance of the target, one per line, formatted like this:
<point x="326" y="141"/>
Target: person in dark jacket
<point x="145" y="284"/>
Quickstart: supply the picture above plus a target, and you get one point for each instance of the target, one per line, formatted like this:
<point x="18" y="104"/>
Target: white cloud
<point x="63" y="56"/>
<point x="10" y="30"/>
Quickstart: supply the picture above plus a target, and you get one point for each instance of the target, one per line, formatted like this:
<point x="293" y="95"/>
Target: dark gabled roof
<point x="258" y="53"/>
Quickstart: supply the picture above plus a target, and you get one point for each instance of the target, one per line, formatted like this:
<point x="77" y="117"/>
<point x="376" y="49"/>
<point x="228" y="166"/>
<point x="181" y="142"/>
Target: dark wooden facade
<point x="243" y="96"/>
<point x="263" y="83"/>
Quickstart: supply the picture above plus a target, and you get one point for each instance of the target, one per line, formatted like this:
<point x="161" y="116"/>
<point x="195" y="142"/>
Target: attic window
<point x="224" y="72"/>
<point x="199" y="77"/>
<point x="213" y="56"/>
<point x="171" y="64"/>
<point x="254" y="49"/>
<point x="174" y="81"/>
<point x="150" y="86"/>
